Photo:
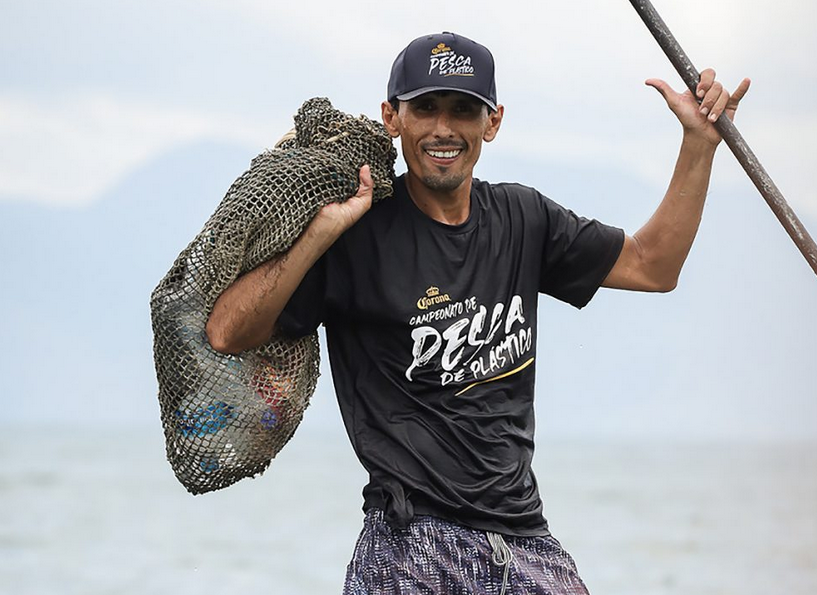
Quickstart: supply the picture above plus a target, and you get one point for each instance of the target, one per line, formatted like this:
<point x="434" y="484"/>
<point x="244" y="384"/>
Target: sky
<point x="97" y="97"/>
<point x="145" y="77"/>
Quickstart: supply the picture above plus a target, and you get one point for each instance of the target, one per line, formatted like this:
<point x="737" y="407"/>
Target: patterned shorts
<point x="437" y="557"/>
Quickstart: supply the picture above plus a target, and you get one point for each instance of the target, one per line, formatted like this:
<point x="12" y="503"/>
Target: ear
<point x="494" y="122"/>
<point x="390" y="119"/>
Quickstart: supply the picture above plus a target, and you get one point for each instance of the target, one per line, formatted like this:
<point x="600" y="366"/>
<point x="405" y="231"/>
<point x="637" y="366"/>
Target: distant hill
<point x="79" y="280"/>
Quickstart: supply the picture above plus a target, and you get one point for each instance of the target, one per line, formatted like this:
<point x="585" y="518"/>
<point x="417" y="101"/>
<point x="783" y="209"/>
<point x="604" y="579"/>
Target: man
<point x="429" y="303"/>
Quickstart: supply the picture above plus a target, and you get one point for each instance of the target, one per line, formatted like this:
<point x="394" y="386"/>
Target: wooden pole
<point x="730" y="134"/>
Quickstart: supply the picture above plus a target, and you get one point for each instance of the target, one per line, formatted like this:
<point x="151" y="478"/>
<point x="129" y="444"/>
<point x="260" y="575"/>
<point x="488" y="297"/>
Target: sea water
<point x="94" y="511"/>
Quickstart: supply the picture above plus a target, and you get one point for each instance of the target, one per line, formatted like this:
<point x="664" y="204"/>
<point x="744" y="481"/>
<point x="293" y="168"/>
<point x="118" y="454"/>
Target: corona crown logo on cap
<point x="441" y="47"/>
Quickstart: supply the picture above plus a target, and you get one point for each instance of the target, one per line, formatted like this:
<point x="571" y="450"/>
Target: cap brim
<point x="424" y="90"/>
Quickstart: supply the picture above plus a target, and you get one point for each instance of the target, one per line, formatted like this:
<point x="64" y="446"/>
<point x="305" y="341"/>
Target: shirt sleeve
<point x="306" y="308"/>
<point x="577" y="256"/>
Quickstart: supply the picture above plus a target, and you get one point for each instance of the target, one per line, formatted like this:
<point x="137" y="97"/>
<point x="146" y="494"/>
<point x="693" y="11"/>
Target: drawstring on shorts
<point x="501" y="556"/>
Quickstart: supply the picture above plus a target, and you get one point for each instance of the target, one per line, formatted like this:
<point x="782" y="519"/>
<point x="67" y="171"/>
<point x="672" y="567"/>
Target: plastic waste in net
<point x="226" y="416"/>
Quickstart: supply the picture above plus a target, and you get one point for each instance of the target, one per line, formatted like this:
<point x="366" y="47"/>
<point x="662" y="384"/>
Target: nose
<point x="442" y="128"/>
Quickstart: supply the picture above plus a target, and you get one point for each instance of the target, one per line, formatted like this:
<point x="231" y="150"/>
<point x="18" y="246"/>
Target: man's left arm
<point x="651" y="259"/>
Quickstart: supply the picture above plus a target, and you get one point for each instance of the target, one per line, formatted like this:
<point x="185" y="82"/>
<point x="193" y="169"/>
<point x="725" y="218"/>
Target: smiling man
<point x="429" y="303"/>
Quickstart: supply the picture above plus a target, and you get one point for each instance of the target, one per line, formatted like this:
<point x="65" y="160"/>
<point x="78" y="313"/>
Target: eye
<point x="467" y="109"/>
<point x="425" y="105"/>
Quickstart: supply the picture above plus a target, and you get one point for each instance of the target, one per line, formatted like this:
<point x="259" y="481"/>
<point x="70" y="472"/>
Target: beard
<point x="444" y="181"/>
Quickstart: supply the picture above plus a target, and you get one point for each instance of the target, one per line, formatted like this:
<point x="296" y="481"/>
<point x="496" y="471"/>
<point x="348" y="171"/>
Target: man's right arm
<point x="245" y="314"/>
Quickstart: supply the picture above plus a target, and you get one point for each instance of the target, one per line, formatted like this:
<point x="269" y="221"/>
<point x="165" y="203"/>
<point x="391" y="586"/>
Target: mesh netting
<point x="226" y="416"/>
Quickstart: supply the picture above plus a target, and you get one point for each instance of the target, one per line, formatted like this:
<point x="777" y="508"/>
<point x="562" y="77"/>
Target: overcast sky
<point x="92" y="91"/>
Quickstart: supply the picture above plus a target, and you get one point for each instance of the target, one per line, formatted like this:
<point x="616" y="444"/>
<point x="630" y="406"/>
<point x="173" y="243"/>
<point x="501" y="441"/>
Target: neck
<point x="451" y="207"/>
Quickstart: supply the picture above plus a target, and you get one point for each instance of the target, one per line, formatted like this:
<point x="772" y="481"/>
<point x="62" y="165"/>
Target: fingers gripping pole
<point x="734" y="140"/>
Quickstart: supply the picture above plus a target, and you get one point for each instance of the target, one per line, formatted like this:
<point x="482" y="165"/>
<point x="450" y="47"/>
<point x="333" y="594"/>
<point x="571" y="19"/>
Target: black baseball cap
<point x="443" y="62"/>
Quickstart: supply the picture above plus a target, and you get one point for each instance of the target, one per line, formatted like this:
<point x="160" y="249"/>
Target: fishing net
<point x="226" y="416"/>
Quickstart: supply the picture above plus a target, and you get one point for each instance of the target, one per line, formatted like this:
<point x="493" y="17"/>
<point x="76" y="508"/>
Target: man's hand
<point x="651" y="260"/>
<point x="335" y="218"/>
<point x="698" y="119"/>
<point x="245" y="314"/>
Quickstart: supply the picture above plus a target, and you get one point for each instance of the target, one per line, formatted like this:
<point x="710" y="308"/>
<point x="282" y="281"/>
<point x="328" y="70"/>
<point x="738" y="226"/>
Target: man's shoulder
<point x="377" y="222"/>
<point x="510" y="193"/>
<point x="387" y="207"/>
<point x="514" y="188"/>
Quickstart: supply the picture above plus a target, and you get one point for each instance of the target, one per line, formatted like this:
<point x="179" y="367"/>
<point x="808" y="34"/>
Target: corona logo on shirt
<point x="446" y="62"/>
<point x="432" y="298"/>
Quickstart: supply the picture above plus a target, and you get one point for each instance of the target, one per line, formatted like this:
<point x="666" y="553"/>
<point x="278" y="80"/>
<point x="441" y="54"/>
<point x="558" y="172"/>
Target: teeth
<point x="444" y="154"/>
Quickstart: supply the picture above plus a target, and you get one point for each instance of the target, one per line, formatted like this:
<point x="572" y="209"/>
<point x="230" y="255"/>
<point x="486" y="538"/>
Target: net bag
<point x="226" y="416"/>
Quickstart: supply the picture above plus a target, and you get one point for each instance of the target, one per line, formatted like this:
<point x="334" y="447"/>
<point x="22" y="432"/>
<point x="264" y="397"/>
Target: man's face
<point x="441" y="135"/>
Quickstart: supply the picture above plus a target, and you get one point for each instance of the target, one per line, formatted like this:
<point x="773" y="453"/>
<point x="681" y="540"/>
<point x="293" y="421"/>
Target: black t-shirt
<point x="431" y="332"/>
